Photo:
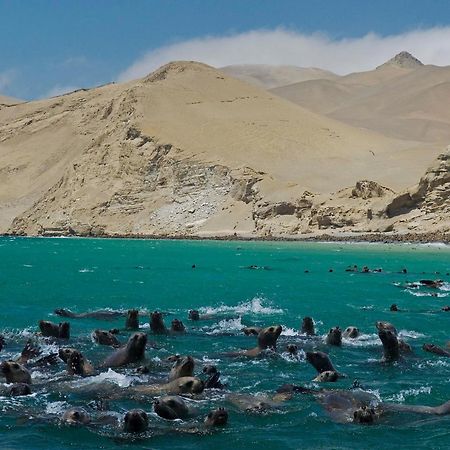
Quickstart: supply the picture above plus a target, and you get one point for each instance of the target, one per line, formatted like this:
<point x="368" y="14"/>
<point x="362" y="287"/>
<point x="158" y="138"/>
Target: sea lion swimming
<point x="320" y="361"/>
<point x="183" y="367"/>
<point x="213" y="382"/>
<point x="216" y="418"/>
<point x="183" y="385"/>
<point x="334" y="337"/>
<point x="171" y="407"/>
<point x="307" y="326"/>
<point x="292" y="349"/>
<point x="328" y="376"/>
<point x="50" y="329"/>
<point x="351" y="333"/>
<point x="267" y="339"/>
<point x="103" y="337"/>
<point x="436" y="350"/>
<point x="19" y="389"/>
<point x="177" y="326"/>
<point x="132" y="352"/>
<point x="76" y="416"/>
<point x="135" y="421"/>
<point x="157" y="324"/>
<point x="15" y="372"/>
<point x="65" y="353"/>
<point x="132" y="320"/>
<point x="2" y="342"/>
<point x="390" y="345"/>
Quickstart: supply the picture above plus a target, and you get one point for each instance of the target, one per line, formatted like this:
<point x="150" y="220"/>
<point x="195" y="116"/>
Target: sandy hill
<point x="4" y="100"/>
<point x="185" y="150"/>
<point x="402" y="98"/>
<point x="268" y="76"/>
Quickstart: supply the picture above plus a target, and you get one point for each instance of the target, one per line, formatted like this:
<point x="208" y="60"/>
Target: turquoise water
<point x="39" y="275"/>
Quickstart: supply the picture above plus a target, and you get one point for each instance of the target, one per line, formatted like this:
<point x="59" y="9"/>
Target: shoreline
<point x="380" y="238"/>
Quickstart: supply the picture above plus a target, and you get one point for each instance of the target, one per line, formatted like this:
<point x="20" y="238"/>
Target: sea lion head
<point x="15" y="372"/>
<point x="76" y="416"/>
<point x="64" y="330"/>
<point x="364" y="415"/>
<point x="48" y="328"/>
<point x="189" y="385"/>
<point x="135" y="421"/>
<point x="327" y="376"/>
<point x="351" y="332"/>
<point x="194" y="314"/>
<point x="171" y="407"/>
<point x="217" y="418"/>
<point x="65" y="353"/>
<point x="308" y="326"/>
<point x="334" y="336"/>
<point x="157" y="323"/>
<point x="386" y="326"/>
<point x="390" y="344"/>
<point x="209" y="369"/>
<point x="267" y="337"/>
<point x="320" y="361"/>
<point x="19" y="389"/>
<point x="132" y="321"/>
<point x="177" y="326"/>
<point x="393" y="307"/>
<point x="2" y="342"/>
<point x="104" y="337"/>
<point x="136" y="345"/>
<point x="183" y="367"/>
<point x="292" y="349"/>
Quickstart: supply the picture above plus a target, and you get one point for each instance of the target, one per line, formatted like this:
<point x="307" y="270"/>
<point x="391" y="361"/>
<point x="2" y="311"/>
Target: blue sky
<point x="48" y="47"/>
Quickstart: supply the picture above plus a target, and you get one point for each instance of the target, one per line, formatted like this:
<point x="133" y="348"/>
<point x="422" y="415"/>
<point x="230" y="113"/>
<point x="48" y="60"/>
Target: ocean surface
<point x="39" y="275"/>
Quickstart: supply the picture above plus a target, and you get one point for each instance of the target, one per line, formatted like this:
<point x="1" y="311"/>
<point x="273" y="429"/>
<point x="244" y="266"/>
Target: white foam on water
<point x="56" y="407"/>
<point x="427" y="294"/>
<point x="403" y="394"/>
<point x="410" y="334"/>
<point x="254" y="306"/>
<point x="86" y="270"/>
<point x="227" y="326"/>
<point x="363" y="340"/>
<point x="299" y="357"/>
<point x="289" y="332"/>
<point x="110" y="376"/>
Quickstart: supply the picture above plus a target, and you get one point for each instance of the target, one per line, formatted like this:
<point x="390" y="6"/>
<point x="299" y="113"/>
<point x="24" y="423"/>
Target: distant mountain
<point x="402" y="98"/>
<point x="267" y="76"/>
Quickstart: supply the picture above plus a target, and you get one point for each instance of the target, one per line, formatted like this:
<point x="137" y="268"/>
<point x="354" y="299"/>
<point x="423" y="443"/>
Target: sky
<point x="51" y="47"/>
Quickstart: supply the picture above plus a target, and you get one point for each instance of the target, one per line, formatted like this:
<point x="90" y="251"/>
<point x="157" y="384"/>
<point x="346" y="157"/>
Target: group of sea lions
<point x="169" y="396"/>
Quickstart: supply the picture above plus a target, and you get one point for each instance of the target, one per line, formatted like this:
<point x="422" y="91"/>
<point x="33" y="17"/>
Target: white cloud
<point x="59" y="90"/>
<point x="6" y="78"/>
<point x="280" y="46"/>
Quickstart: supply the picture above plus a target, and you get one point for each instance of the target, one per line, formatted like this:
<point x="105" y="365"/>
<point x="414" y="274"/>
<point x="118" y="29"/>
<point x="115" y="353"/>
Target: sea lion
<point x="213" y="382"/>
<point x="65" y="353"/>
<point x="101" y="314"/>
<point x="252" y="403"/>
<point x="171" y="407"/>
<point x="15" y="372"/>
<point x="292" y="349"/>
<point x="386" y="326"/>
<point x="19" y="389"/>
<point x="267" y="339"/>
<point x="29" y="351"/>
<point x="50" y="329"/>
<point x="394" y="308"/>
<point x="320" y="361"/>
<point x="177" y="326"/>
<point x="132" y="352"/>
<point x="217" y="418"/>
<point x="132" y="321"/>
<point x="183" y="385"/>
<point x="193" y="314"/>
<point x="78" y="365"/>
<point x="334" y="336"/>
<point x="2" y="342"/>
<point x="76" y="416"/>
<point x="364" y="415"/>
<point x="103" y="337"/>
<point x="390" y="345"/>
<point x="135" y="421"/>
<point x="351" y="333"/>
<point x="251" y="331"/>
<point x="435" y="284"/>
<point x="328" y="376"/>
<point x="307" y="326"/>
<point x="157" y="324"/>
<point x="183" y="367"/>
<point x="435" y="349"/>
